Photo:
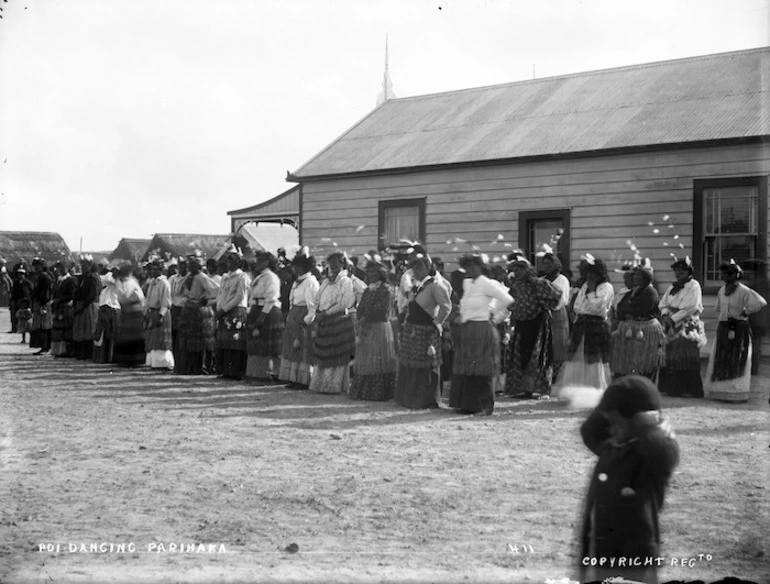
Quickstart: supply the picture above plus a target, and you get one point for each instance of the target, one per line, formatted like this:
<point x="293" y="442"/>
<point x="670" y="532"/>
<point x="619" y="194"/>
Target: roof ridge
<point x="604" y="71"/>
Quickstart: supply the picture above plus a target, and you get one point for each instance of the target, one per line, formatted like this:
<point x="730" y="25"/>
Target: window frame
<point x="383" y="206"/>
<point x="565" y="241"/>
<point x="699" y="227"/>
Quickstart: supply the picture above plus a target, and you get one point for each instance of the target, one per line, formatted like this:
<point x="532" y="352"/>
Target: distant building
<point x="15" y="245"/>
<point x="284" y="208"/>
<point x="130" y="249"/>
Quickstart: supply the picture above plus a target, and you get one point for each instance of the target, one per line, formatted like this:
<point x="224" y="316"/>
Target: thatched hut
<point x="15" y="245"/>
<point x="130" y="249"/>
<point x="181" y="244"/>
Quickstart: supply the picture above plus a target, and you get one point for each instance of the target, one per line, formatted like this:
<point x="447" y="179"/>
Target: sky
<point x="127" y="118"/>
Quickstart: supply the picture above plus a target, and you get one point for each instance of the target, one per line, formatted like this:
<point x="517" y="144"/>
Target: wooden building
<point x="283" y="208"/>
<point x="670" y="157"/>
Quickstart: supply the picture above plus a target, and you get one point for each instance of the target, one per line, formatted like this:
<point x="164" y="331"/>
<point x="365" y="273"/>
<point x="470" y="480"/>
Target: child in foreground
<point x="637" y="455"/>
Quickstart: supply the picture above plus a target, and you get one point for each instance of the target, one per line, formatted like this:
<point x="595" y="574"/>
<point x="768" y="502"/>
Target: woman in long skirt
<point x="231" y="320"/>
<point x="62" y="310"/>
<point x="86" y="309"/>
<point x="477" y="342"/>
<point x="264" y="323"/>
<point x="375" y="365"/>
<point x="729" y="370"/>
<point x="197" y="332"/>
<point x="297" y="350"/>
<point x="107" y="318"/>
<point x="129" y="342"/>
<point x="42" y="319"/>
<point x="334" y="344"/>
<point x="590" y="346"/>
<point x="559" y="315"/>
<point x="680" y="310"/>
<point x="157" y="319"/>
<point x="637" y="341"/>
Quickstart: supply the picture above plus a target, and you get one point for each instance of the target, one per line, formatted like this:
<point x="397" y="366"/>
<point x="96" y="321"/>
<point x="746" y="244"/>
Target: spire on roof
<point x="387" y="85"/>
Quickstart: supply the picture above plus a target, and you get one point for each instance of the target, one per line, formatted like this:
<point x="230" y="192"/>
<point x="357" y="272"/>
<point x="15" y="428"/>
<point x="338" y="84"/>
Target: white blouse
<point x="562" y="283"/>
<point x="744" y="299"/>
<point x="482" y="299"/>
<point x="265" y="291"/>
<point x="234" y="291"/>
<point x="687" y="302"/>
<point x="596" y="303"/>
<point x="336" y="296"/>
<point x="303" y="293"/>
<point x="109" y="294"/>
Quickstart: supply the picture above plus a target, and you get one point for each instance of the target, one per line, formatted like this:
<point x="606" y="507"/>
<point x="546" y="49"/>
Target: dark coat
<point x="617" y="525"/>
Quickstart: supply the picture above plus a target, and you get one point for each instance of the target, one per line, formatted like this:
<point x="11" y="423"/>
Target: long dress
<point x="637" y="341"/>
<point x="231" y="327"/>
<point x="177" y="282"/>
<point x="42" y="319"/>
<point x="264" y="339"/>
<point x="86" y="314"/>
<point x="530" y="351"/>
<point x="334" y="345"/>
<point x="680" y="373"/>
<point x="560" y="323"/>
<point x="297" y="350"/>
<point x="129" y="342"/>
<point x="375" y="366"/>
<point x="477" y="346"/>
<point x="157" y="325"/>
<point x="106" y="320"/>
<point x="419" y="346"/>
<point x="197" y="333"/>
<point x="729" y="370"/>
<point x="62" y="311"/>
<point x="589" y="346"/>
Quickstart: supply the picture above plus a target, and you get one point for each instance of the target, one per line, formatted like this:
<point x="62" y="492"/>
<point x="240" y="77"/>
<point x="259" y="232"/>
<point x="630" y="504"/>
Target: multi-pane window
<point x="730" y="223"/>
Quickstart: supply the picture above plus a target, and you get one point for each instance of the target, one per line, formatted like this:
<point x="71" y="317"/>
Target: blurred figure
<point x="21" y="297"/>
<point x="759" y="322"/>
<point x="42" y="319"/>
<point x="637" y="455"/>
<point x="129" y="342"/>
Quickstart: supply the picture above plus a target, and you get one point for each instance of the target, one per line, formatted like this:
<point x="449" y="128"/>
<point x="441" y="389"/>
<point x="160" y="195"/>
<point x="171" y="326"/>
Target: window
<point x="401" y="219"/>
<point x="551" y="227"/>
<point x="730" y="223"/>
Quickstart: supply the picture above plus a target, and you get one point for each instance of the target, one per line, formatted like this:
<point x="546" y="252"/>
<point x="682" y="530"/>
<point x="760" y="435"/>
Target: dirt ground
<point x="264" y="484"/>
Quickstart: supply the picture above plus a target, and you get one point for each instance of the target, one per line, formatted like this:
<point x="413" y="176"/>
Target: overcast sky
<point x="127" y="118"/>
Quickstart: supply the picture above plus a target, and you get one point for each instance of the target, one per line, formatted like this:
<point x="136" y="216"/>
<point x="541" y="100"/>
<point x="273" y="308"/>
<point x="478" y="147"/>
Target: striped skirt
<point x="335" y="341"/>
<point x="560" y="334"/>
<point x="157" y="338"/>
<point x="376" y="365"/>
<point x="728" y="376"/>
<point x="297" y="350"/>
<point x="268" y="341"/>
<point x="636" y="348"/>
<point x="197" y="329"/>
<point x="84" y="327"/>
<point x="419" y="365"/>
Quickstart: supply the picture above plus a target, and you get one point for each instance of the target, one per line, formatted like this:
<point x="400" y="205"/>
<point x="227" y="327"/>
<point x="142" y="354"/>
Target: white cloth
<point x="687" y="302"/>
<point x="744" y="299"/>
<point x="265" y="291"/>
<point x="336" y="296"/>
<point x="234" y="291"/>
<point x="129" y="291"/>
<point x="562" y="283"/>
<point x="596" y="303"/>
<point x="478" y="301"/>
<point x="158" y="295"/>
<point x="177" y="289"/>
<point x="109" y="294"/>
<point x="303" y="293"/>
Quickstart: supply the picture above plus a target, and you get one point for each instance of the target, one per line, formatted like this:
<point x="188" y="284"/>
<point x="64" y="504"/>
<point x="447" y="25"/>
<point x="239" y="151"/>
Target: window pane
<point x="402" y="223"/>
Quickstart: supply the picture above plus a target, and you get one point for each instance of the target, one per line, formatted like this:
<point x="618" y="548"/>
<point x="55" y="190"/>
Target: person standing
<point x="530" y="352"/>
<point x="680" y="310"/>
<point x="297" y="351"/>
<point x="637" y="454"/>
<point x="264" y="323"/>
<point x="197" y="334"/>
<point x="232" y="301"/>
<point x="476" y="359"/>
<point x="590" y="341"/>
<point x="375" y="365"/>
<point x="559" y="315"/>
<point x="21" y="296"/>
<point x="728" y="375"/>
<point x="86" y="309"/>
<point x="637" y="341"/>
<point x="129" y="342"/>
<point x="334" y="343"/>
<point x="107" y="318"/>
<point x="419" y="346"/>
<point x="62" y="309"/>
<point x="42" y="319"/>
<point x="176" y="282"/>
<point x="157" y="319"/>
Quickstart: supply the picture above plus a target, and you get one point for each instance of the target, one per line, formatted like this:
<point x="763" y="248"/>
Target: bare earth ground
<point x="368" y="492"/>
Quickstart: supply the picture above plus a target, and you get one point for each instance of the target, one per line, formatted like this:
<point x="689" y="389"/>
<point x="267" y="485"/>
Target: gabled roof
<point x="130" y="249"/>
<point x="285" y="203"/>
<point x="693" y="100"/>
<point x="15" y="245"/>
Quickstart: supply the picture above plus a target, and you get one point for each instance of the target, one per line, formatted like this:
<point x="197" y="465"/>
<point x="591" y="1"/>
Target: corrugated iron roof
<point x="706" y="98"/>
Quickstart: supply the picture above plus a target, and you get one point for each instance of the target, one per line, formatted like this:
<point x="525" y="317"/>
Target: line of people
<point x="397" y="329"/>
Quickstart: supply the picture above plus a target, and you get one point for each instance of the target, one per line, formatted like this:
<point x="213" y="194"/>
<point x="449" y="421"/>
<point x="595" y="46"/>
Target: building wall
<point x="611" y="199"/>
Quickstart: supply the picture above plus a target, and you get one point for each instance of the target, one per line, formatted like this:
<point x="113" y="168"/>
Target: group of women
<point x="383" y="334"/>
